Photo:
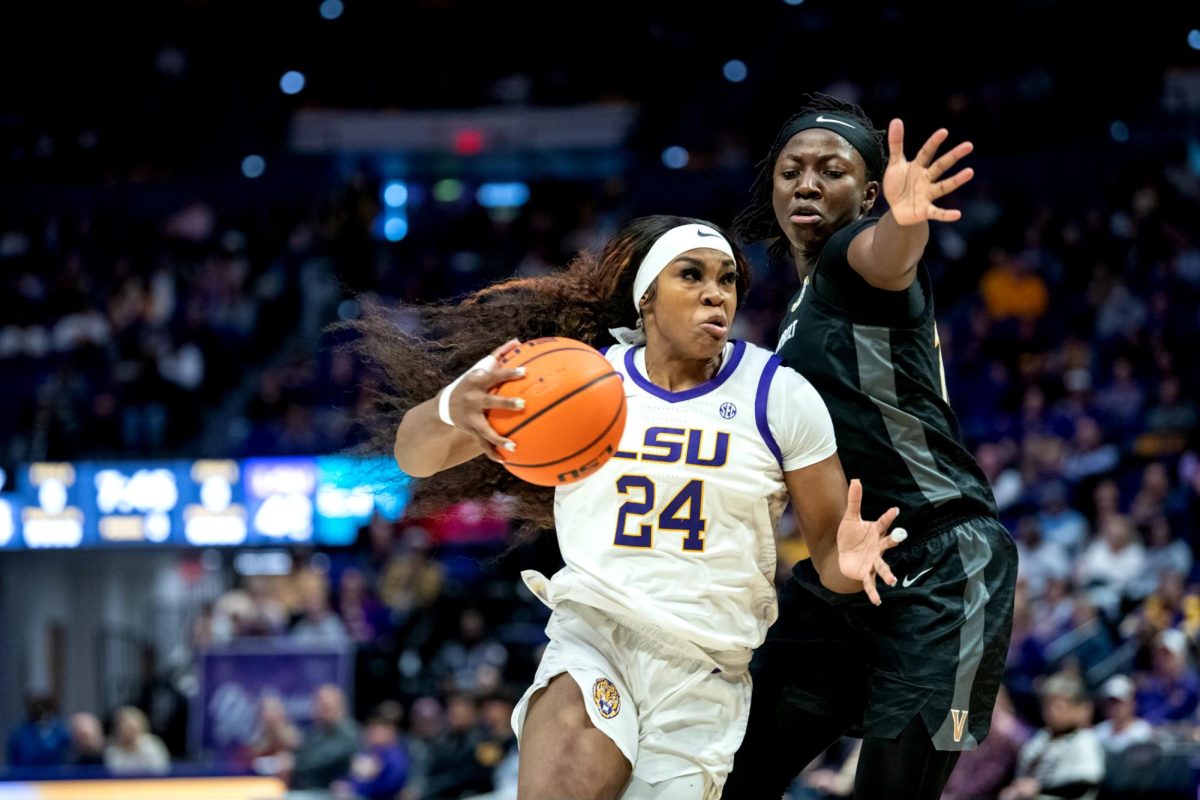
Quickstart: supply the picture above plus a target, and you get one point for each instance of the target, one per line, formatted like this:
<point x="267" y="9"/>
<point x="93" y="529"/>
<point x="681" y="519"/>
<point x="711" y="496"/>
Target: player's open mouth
<point x="715" y="326"/>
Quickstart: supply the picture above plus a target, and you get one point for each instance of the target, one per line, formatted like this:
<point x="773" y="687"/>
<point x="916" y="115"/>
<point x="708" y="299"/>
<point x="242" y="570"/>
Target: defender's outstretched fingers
<point x="854" y="500"/>
<point x="885" y="572"/>
<point x="896" y="142"/>
<point x="872" y="592"/>
<point x="929" y="149"/>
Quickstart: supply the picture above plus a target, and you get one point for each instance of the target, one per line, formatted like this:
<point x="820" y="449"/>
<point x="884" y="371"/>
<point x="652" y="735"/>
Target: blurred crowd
<point x="1066" y="336"/>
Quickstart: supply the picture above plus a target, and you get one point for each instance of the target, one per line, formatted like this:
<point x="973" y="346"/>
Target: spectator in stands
<point x="364" y="616"/>
<point x="499" y="747"/>
<point x="329" y="745"/>
<point x="1061" y="524"/>
<point x="133" y="749"/>
<point x="380" y="769"/>
<point x="1039" y="561"/>
<point x="457" y="663"/>
<point x="1170" y="692"/>
<point x="1063" y="759"/>
<point x="87" y="740"/>
<point x="454" y="768"/>
<point x="318" y="624"/>
<point x="1121" y="726"/>
<point x="1112" y="564"/>
<point x="428" y="723"/>
<point x="41" y="740"/>
<point x="273" y="749"/>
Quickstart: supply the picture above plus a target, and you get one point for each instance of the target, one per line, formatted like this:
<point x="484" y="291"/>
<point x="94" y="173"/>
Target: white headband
<point x="669" y="247"/>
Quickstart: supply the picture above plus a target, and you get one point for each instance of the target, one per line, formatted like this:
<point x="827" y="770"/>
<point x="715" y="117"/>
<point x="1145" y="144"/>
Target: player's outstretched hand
<point x="911" y="187"/>
<point x="861" y="544"/>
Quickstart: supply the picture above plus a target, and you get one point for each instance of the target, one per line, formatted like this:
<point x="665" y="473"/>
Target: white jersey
<point x="677" y="529"/>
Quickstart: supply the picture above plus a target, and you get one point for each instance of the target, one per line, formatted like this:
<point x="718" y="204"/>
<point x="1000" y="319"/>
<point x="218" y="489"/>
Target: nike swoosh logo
<point x="709" y="235"/>
<point x="910" y="581"/>
<point x="834" y="121"/>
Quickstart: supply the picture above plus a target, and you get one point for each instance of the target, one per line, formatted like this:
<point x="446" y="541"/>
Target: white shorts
<point x="675" y="719"/>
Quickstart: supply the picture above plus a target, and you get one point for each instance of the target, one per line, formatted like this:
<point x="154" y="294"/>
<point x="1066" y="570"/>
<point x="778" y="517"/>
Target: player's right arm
<point x="426" y="445"/>
<point x="847" y="551"/>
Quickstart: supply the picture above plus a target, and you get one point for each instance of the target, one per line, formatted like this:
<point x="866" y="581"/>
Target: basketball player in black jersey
<point x="916" y="677"/>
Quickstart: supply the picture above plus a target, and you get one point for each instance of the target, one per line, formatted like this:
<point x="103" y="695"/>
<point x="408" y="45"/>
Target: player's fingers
<point x="854" y="500"/>
<point x="485" y="379"/>
<point x="945" y="214"/>
<point x="886" y="520"/>
<point x="481" y="429"/>
<point x="894" y="538"/>
<point x="929" y="149"/>
<point x="872" y="592"/>
<point x="948" y="160"/>
<point x="943" y="188"/>
<point x="896" y="142"/>
<point x="497" y="401"/>
<point x="506" y="348"/>
<point x="885" y="572"/>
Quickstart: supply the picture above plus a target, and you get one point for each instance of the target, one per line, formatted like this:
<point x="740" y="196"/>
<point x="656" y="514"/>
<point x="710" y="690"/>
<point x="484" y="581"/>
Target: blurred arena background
<point x="192" y="190"/>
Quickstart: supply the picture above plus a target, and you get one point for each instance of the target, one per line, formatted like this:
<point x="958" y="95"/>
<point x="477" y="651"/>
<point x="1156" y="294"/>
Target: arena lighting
<point x="1194" y="39"/>
<point x="675" y="157"/>
<point x="793" y="2"/>
<point x="513" y="194"/>
<point x="468" y="142"/>
<point x="447" y="190"/>
<point x="332" y="9"/>
<point x="292" y="82"/>
<point x="1119" y="132"/>
<point x="735" y="71"/>
<point x="253" y="166"/>
<point x="395" y="194"/>
<point x="395" y="227"/>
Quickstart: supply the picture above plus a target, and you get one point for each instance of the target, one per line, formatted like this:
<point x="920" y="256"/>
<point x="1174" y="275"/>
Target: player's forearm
<point x="888" y="256"/>
<point x="425" y="445"/>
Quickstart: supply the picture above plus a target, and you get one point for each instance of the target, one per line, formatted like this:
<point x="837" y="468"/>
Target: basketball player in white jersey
<point x="643" y="691"/>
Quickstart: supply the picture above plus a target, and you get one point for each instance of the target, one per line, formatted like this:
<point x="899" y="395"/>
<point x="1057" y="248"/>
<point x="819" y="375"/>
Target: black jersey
<point x="875" y="358"/>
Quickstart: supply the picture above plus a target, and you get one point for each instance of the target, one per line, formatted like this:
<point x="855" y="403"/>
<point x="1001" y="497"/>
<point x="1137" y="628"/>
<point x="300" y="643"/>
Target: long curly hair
<point x="582" y="301"/>
<point x="757" y="222"/>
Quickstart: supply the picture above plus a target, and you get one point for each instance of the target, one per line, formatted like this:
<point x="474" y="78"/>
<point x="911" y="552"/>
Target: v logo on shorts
<point x="960" y="723"/>
<point x="910" y="581"/>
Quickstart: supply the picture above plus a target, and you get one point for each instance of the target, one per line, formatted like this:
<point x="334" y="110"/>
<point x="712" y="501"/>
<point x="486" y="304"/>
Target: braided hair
<point x="757" y="222"/>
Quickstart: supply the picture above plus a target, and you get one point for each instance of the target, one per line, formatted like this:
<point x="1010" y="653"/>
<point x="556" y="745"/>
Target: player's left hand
<point x="861" y="544"/>
<point x="911" y="187"/>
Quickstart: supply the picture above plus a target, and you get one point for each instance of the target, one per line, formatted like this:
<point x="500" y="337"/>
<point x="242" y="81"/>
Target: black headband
<point x="861" y="139"/>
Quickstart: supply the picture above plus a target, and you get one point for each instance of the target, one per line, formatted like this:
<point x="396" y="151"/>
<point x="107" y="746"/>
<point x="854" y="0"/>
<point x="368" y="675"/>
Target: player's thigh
<point x="562" y="754"/>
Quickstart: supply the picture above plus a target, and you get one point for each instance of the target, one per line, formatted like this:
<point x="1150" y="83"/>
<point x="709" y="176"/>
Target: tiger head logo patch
<point x="607" y="698"/>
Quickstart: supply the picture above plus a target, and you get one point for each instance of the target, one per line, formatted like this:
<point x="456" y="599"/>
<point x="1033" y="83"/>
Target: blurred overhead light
<point x="502" y="195"/>
<point x="735" y="71"/>
<point x="395" y="194"/>
<point x="675" y="157"/>
<point x="332" y="9"/>
<point x="253" y="166"/>
<point x="292" y="82"/>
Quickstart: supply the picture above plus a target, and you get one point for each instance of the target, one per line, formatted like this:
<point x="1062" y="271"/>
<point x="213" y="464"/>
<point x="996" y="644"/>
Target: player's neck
<point x="678" y="374"/>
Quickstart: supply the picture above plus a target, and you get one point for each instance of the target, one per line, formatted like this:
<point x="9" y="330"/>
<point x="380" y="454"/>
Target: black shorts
<point x="935" y="648"/>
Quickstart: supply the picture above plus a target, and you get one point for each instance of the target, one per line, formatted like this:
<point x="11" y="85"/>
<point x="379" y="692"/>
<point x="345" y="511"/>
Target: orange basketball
<point x="574" y="411"/>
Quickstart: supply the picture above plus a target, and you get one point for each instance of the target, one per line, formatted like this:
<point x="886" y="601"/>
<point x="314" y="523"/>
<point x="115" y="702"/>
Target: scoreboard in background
<point x="320" y="500"/>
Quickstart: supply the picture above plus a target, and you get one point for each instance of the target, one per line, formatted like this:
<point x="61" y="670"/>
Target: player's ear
<point x="870" y="195"/>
